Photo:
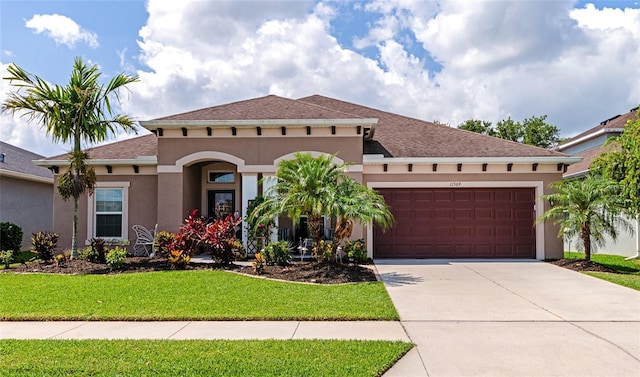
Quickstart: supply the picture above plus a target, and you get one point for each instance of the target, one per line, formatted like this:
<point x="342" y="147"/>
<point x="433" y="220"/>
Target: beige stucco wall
<point x="142" y="208"/>
<point x="28" y="204"/>
<point x="257" y="150"/>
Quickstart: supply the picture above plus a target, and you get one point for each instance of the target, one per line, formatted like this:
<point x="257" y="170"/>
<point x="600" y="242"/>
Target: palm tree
<point x="356" y="202"/>
<point x="587" y="207"/>
<point x="79" y="112"/>
<point x="315" y="187"/>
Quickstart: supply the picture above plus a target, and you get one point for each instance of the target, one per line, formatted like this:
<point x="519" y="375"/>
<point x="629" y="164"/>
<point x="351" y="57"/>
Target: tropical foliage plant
<point x="356" y="250"/>
<point x="588" y="208"/>
<point x="44" y="244"/>
<point x="80" y="111"/>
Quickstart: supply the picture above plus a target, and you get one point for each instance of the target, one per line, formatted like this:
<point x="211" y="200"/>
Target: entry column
<point x="249" y="192"/>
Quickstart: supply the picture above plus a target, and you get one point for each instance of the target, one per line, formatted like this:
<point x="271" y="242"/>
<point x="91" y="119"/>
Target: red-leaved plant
<point x="220" y="239"/>
<point x="217" y="238"/>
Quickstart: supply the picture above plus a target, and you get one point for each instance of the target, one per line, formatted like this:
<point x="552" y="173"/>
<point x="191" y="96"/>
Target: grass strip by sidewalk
<point x="198" y="357"/>
<point x="628" y="270"/>
<point x="186" y="295"/>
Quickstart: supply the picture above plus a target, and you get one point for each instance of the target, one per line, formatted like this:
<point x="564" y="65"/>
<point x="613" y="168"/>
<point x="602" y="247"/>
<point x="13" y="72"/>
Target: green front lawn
<point x="628" y="270"/>
<point x="186" y="295"/>
<point x="198" y="357"/>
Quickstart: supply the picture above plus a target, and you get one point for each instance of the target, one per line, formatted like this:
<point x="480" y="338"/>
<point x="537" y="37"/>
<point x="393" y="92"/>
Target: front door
<point x="220" y="203"/>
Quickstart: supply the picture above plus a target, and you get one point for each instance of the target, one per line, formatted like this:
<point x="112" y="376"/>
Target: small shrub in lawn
<point x="6" y="256"/>
<point x="115" y="258"/>
<point x="179" y="259"/>
<point x="356" y="250"/>
<point x="10" y="236"/>
<point x="44" y="244"/>
<point x="277" y="253"/>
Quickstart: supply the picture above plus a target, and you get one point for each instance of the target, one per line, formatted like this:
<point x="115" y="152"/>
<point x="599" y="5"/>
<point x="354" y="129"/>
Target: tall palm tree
<point x="79" y="112"/>
<point x="586" y="207"/>
<point x="315" y="186"/>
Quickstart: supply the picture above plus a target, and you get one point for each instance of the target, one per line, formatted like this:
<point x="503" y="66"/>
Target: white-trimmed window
<point x="108" y="211"/>
<point x="221" y="177"/>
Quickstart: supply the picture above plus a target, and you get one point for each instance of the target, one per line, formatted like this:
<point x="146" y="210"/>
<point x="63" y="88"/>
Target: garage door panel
<point x="459" y="223"/>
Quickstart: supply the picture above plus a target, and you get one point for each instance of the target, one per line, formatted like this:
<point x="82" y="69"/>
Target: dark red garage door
<point x="458" y="223"/>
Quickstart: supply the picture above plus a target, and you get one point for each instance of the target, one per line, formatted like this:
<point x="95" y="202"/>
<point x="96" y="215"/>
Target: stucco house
<point x="454" y="194"/>
<point x="589" y="145"/>
<point x="26" y="192"/>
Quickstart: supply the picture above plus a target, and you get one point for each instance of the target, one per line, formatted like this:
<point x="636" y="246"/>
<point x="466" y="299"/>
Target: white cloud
<point x="62" y="29"/>
<point x="498" y="59"/>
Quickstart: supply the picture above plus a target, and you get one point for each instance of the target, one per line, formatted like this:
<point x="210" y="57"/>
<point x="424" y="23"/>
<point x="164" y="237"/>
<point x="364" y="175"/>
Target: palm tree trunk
<point x="585" y="234"/>
<point x="315" y="225"/>
<point x="74" y="236"/>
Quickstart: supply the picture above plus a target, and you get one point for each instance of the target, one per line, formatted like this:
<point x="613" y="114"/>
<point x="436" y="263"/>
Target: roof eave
<point x="153" y="124"/>
<point x="380" y="159"/>
<point x="25" y="176"/>
<point x="140" y="161"/>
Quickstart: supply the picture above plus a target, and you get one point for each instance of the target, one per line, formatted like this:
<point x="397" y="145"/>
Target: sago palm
<point x="80" y="111"/>
<point x="588" y="208"/>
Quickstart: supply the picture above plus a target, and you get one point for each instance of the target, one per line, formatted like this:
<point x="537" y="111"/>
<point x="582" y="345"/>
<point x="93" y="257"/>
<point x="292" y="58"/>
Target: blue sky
<point x="447" y="61"/>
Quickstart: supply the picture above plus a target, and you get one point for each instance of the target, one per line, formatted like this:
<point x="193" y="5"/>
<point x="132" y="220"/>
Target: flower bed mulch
<point x="310" y="272"/>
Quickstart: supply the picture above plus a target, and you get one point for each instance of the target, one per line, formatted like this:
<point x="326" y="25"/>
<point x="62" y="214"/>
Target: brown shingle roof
<point x="133" y="148"/>
<point x="400" y="136"/>
<point x="269" y="107"/>
<point x="19" y="160"/>
<point x="588" y="156"/>
<point x="618" y="121"/>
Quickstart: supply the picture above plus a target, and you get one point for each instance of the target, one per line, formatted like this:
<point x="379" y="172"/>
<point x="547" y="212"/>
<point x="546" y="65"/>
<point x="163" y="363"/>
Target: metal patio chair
<point x="144" y="243"/>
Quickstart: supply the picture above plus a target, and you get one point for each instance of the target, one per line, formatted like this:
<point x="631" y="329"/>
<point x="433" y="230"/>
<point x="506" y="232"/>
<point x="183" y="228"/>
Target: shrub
<point x="10" y="237"/>
<point x="322" y="251"/>
<point x="259" y="263"/>
<point x="60" y="259"/>
<point x="162" y="242"/>
<point x="356" y="250"/>
<point x="219" y="239"/>
<point x="115" y="258"/>
<point x="97" y="253"/>
<point x="178" y="259"/>
<point x="277" y="253"/>
<point x="6" y="256"/>
<point x="43" y="244"/>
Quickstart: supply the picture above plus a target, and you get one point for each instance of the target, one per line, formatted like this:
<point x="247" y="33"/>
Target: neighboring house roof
<point x="400" y="136"/>
<point x="613" y="126"/>
<point x="582" y="167"/>
<point x="18" y="162"/>
<point x="129" y="149"/>
<point x="269" y="107"/>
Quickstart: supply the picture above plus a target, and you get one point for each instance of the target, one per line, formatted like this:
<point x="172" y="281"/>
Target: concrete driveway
<point x="511" y="318"/>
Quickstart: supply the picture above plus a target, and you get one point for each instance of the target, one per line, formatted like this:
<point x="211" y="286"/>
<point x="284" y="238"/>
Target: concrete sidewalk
<point x="361" y="330"/>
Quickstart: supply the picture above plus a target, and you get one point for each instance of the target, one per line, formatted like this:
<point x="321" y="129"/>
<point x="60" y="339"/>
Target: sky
<point x="578" y="62"/>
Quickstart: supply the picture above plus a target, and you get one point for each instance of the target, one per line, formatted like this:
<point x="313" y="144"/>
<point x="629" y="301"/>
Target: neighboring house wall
<point x="626" y="244"/>
<point x="27" y="204"/>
